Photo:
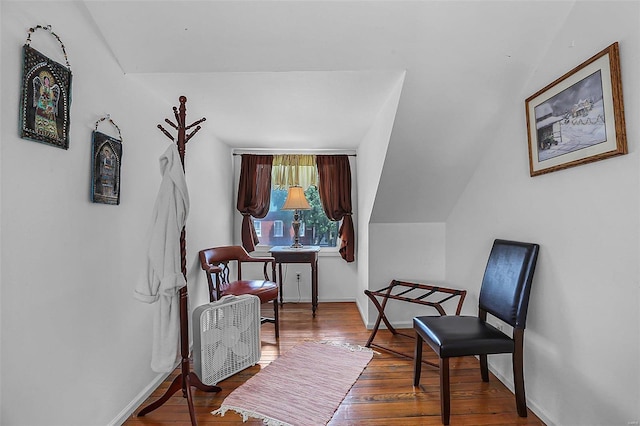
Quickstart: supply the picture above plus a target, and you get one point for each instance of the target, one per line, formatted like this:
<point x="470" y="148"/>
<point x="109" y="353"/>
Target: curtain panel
<point x="294" y="170"/>
<point x="334" y="187"/>
<point x="254" y="194"/>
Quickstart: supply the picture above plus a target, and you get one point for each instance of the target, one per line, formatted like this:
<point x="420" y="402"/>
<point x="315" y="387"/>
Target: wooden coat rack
<point x="187" y="378"/>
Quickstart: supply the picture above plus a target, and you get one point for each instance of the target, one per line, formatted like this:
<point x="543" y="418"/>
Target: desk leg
<point x="314" y="286"/>
<point x="280" y="280"/>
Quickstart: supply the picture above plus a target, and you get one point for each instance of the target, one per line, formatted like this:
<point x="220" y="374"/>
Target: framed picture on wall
<point x="45" y="96"/>
<point x="579" y="118"/>
<point x="106" y="162"/>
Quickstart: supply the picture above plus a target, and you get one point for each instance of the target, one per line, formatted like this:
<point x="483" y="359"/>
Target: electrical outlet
<point x="298" y="276"/>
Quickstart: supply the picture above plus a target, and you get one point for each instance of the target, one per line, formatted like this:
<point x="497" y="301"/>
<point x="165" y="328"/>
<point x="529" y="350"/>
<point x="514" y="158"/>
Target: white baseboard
<point x="138" y="400"/>
<point x="308" y="300"/>
<point x="537" y="410"/>
<point x="396" y="324"/>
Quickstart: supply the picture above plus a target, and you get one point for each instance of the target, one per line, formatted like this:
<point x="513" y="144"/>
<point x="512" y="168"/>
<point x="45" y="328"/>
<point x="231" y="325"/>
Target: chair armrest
<point x="266" y="260"/>
<point x="259" y="259"/>
<point x="214" y="269"/>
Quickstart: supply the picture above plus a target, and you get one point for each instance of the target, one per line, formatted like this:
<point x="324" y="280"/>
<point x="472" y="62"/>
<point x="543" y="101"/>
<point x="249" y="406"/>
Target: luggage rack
<point x="422" y="294"/>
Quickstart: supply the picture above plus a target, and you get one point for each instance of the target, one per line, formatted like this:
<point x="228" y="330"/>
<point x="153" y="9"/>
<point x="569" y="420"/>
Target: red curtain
<point x="254" y="194"/>
<point x="334" y="187"/>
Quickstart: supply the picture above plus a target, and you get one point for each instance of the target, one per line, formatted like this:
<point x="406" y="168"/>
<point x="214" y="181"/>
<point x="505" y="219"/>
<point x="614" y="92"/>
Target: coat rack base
<point x="184" y="382"/>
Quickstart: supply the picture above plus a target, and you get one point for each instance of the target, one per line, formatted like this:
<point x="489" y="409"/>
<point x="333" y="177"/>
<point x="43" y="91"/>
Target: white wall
<point x="413" y="252"/>
<point x="582" y="350"/>
<point x="76" y="345"/>
<point x="371" y="154"/>
<point x="386" y="251"/>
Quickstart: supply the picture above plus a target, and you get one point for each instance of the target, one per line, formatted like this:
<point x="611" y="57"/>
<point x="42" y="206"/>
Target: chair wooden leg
<point x="275" y="317"/>
<point x="484" y="368"/>
<point x="445" y="395"/>
<point x="518" y="372"/>
<point x="417" y="361"/>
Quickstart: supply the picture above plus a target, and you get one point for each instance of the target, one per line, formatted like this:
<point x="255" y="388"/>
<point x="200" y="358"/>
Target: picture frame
<point x="106" y="154"/>
<point x="578" y="118"/>
<point x="45" y="100"/>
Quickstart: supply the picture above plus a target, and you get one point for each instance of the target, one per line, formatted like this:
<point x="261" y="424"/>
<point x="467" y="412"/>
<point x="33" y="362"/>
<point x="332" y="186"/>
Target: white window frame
<point x="278" y="224"/>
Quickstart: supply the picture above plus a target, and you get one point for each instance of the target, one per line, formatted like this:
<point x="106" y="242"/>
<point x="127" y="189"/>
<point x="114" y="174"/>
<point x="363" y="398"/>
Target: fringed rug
<point x="303" y="387"/>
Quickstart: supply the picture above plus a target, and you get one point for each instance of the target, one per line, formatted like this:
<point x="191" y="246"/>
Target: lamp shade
<point x="296" y="200"/>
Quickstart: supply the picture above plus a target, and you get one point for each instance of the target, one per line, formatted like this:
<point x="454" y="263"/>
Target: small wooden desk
<point x="305" y="254"/>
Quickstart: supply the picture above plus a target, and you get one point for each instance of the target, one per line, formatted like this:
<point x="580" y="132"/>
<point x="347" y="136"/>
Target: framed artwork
<point x="45" y="96"/>
<point x="106" y="154"/>
<point x="579" y="118"/>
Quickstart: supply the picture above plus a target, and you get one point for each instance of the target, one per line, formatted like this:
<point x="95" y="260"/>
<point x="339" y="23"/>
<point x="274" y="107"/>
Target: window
<point x="257" y="225"/>
<point x="277" y="228"/>
<point x="315" y="228"/>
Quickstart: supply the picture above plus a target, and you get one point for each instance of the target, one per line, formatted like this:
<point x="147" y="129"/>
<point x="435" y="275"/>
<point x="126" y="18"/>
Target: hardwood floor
<point x="384" y="393"/>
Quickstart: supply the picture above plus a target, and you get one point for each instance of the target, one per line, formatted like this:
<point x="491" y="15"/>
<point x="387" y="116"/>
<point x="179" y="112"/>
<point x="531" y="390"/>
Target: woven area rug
<point x="303" y="387"/>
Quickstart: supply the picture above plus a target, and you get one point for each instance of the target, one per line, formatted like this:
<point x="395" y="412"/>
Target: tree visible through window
<point x="315" y="228"/>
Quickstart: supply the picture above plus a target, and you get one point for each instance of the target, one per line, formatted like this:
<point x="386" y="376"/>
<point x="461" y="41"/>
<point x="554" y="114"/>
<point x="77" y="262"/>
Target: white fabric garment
<point x="163" y="278"/>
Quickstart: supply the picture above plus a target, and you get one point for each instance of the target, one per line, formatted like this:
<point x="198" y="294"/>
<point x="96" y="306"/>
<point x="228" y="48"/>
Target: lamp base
<point x="296" y="229"/>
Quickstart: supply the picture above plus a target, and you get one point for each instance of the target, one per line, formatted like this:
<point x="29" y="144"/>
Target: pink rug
<point x="303" y="387"/>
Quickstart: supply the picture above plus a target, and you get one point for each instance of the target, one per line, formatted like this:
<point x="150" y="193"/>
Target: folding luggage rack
<point x="422" y="294"/>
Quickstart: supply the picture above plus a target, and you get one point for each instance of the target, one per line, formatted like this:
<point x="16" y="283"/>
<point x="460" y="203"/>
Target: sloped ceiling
<point x="314" y="74"/>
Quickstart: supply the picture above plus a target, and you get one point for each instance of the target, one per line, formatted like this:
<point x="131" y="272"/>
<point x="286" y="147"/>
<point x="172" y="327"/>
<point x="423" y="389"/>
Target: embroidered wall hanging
<point x="106" y="154"/>
<point x="45" y="96"/>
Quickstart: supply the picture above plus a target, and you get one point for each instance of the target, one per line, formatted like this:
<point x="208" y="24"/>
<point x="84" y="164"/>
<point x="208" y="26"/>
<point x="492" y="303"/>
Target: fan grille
<point x="226" y="336"/>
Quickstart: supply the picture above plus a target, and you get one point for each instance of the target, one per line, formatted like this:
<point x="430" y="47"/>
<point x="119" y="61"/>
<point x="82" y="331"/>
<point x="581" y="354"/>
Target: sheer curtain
<point x="334" y="187"/>
<point x="294" y="170"/>
<point x="254" y="194"/>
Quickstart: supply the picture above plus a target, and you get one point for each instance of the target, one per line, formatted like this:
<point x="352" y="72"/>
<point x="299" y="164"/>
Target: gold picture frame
<point x="579" y="118"/>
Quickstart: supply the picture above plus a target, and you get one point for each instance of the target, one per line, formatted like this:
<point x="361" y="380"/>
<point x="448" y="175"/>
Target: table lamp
<point x="296" y="201"/>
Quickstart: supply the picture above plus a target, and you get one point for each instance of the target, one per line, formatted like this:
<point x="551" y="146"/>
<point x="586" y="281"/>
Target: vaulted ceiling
<point x="315" y="74"/>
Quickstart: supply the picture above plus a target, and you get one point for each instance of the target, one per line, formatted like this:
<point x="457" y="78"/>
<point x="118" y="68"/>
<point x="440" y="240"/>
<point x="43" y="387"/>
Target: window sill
<point x="324" y="251"/>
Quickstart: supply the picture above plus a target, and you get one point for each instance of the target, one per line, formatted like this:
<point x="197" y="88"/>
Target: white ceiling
<point x="283" y="110"/>
<point x="314" y="74"/>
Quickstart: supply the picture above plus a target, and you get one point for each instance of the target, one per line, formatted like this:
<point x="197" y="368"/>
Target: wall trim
<point x="139" y="399"/>
<point x="531" y="405"/>
<point x="323" y="300"/>
<point x="395" y="324"/>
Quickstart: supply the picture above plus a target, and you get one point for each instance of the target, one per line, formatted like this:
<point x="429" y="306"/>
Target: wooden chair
<point x="504" y="294"/>
<point x="216" y="263"/>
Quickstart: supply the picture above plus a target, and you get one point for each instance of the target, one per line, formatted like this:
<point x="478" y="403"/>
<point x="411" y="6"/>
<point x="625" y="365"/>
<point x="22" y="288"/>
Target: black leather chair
<point x="504" y="294"/>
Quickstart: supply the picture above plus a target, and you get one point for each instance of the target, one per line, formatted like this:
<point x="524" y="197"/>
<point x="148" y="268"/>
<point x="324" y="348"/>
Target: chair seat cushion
<point x="265" y="290"/>
<point x="452" y="336"/>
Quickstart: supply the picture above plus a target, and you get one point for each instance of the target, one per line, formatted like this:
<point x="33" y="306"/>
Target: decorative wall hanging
<point x="579" y="118"/>
<point x="106" y="155"/>
<point x="45" y="96"/>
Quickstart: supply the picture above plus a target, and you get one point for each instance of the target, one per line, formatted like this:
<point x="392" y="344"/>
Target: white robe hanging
<point x="164" y="278"/>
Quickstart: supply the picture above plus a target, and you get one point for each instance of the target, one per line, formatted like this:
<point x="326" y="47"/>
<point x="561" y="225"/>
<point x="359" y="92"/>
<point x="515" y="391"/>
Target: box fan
<point x="226" y="337"/>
